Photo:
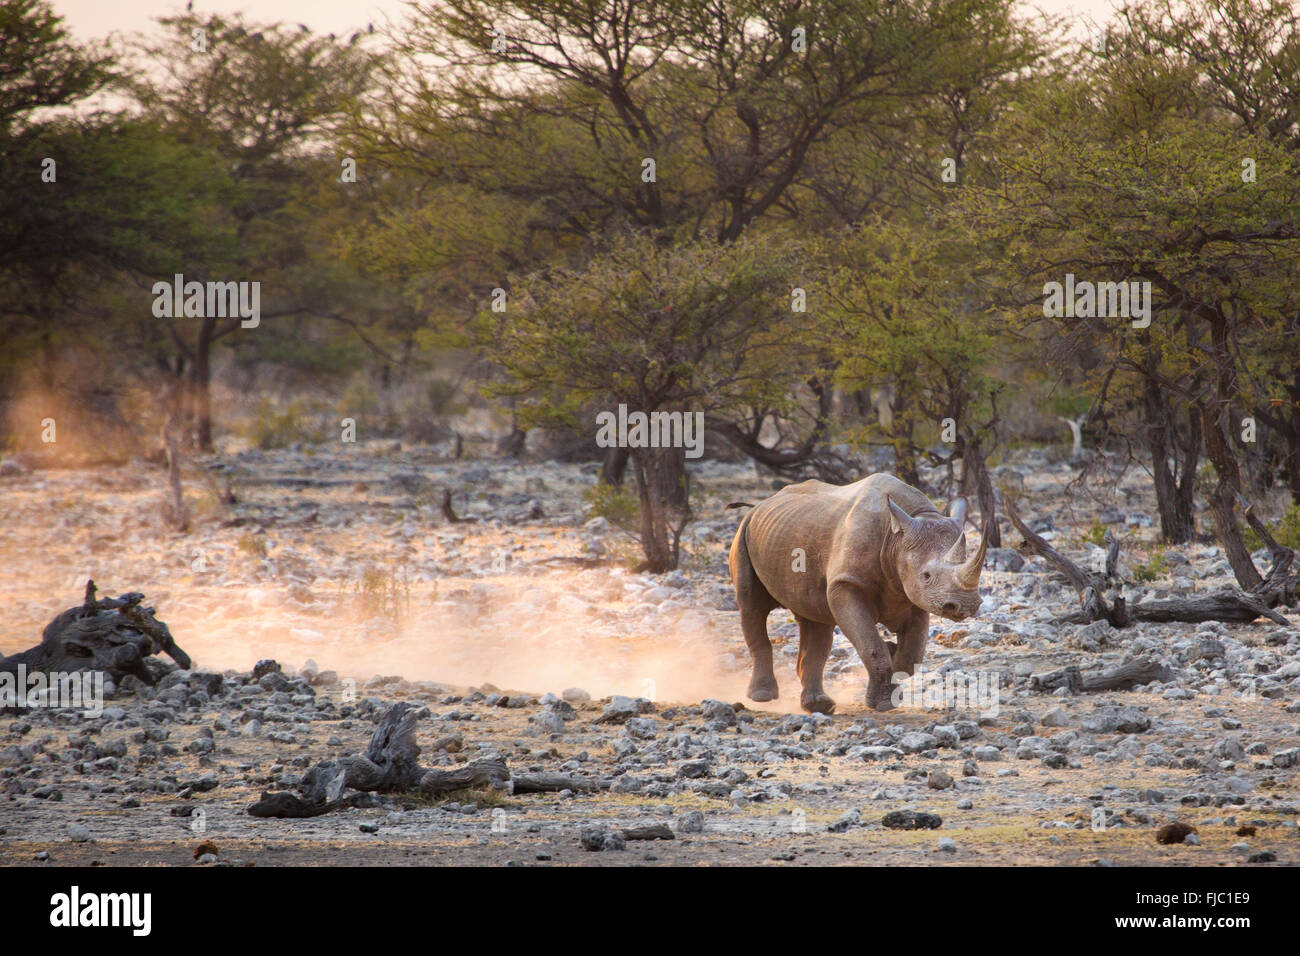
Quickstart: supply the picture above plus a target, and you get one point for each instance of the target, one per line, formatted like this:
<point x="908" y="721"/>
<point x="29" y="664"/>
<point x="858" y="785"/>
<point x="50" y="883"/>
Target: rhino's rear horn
<point x="957" y="553"/>
<point x="900" y="520"/>
<point x="968" y="575"/>
<point x="957" y="510"/>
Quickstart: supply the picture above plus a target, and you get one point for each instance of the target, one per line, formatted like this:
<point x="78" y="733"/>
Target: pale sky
<point x="94" y="19"/>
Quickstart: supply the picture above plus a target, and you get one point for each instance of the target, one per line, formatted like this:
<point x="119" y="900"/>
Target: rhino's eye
<point x="925" y="577"/>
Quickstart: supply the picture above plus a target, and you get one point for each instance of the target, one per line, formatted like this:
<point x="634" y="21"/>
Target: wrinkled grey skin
<point x="875" y="552"/>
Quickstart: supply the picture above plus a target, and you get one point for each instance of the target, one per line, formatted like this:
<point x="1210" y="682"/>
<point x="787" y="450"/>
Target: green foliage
<point x="273" y="427"/>
<point x="616" y="505"/>
<point x="253" y="545"/>
<point x="1095" y="535"/>
<point x="692" y="326"/>
<point x="1285" y="531"/>
<point x="384" y="592"/>
<point x="1157" y="566"/>
<point x="40" y="65"/>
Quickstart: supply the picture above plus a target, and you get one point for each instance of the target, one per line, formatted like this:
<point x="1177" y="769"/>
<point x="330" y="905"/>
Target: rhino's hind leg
<point x="755" y="604"/>
<point x="814" y="648"/>
<point x="762" y="683"/>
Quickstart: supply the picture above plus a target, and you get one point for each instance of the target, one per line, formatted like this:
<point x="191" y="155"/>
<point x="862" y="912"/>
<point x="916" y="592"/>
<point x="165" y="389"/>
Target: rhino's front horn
<point x="968" y="575"/>
<point x="902" y="521"/>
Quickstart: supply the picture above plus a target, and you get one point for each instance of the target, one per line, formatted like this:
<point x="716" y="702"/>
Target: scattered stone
<point x="939" y="780"/>
<point x="850" y="819"/>
<point x="595" y="838"/>
<point x="691" y="822"/>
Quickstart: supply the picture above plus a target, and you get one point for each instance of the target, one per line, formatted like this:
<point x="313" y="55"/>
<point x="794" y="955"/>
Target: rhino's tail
<point x="738" y="504"/>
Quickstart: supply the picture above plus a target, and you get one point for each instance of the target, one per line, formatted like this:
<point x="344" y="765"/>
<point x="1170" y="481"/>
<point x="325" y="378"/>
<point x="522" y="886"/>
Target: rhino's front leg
<point x="853" y="614"/>
<point x="911" y="642"/>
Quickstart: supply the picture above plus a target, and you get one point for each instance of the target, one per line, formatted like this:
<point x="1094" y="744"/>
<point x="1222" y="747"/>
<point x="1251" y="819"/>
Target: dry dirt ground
<point x="339" y="566"/>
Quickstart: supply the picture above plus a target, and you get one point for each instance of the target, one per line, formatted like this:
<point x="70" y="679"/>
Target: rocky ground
<point x="521" y="635"/>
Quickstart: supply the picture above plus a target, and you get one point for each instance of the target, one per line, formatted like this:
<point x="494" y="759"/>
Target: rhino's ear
<point x="899" y="520"/>
<point x="957" y="510"/>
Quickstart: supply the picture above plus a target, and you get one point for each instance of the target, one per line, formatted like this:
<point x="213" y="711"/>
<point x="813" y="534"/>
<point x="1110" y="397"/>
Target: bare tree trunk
<point x="201" y="384"/>
<point x="1291" y="435"/>
<point x="664" y="495"/>
<point x="1173" y="496"/>
<point x="613" y="468"/>
<point x="1217" y="428"/>
<point x="177" y="514"/>
<point x="975" y="481"/>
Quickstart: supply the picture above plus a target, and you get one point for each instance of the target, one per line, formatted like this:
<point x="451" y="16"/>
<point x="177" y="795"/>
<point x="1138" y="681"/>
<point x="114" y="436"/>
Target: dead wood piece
<point x="449" y="512"/>
<point x="1081" y="580"/>
<point x="1279" y="585"/>
<point x="1124" y="676"/>
<point x="286" y="805"/>
<point x="113" y="635"/>
<point x="1229" y="604"/>
<point x="1226" y="605"/>
<point x="478" y="774"/>
<point x="657" y="832"/>
<point x="391" y="764"/>
<point x="552" y="783"/>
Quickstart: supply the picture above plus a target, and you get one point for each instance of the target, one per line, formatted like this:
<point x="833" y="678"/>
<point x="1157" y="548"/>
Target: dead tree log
<point x="391" y="765"/>
<point x="1227" y="604"/>
<point x="552" y="783"/>
<point x="1125" y="676"/>
<point x="113" y="635"/>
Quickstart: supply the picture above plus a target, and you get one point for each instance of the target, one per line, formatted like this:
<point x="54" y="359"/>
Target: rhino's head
<point x="932" y="563"/>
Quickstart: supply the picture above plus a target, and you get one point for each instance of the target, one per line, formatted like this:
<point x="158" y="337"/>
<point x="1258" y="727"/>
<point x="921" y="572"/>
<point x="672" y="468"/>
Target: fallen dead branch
<point x="391" y="765"/>
<point x="1227" y="604"/>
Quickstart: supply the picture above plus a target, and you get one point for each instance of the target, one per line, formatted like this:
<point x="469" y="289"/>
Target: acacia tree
<point x="258" y="97"/>
<point x="692" y="328"/>
<point x="907" y="309"/>
<point x="1122" y="175"/>
<point x="117" y="201"/>
<point x="1242" y="60"/>
<point x="752" y="112"/>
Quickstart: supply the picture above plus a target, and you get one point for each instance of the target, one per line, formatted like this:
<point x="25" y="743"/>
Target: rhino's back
<point x="814" y="516"/>
<point x="869" y="493"/>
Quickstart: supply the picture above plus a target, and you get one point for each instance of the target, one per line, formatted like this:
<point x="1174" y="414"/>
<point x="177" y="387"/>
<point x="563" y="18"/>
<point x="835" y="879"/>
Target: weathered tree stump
<point x="113" y="635"/>
<point x="1227" y="604"/>
<point x="391" y="765"/>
